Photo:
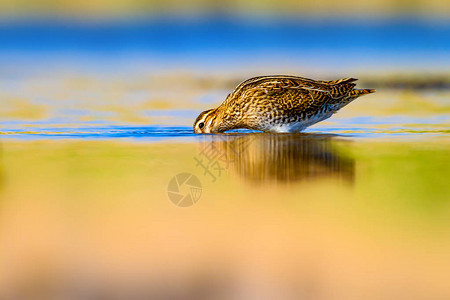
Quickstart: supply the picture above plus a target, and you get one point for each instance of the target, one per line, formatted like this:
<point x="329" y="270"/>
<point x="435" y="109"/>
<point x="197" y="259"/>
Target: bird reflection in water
<point x="264" y="157"/>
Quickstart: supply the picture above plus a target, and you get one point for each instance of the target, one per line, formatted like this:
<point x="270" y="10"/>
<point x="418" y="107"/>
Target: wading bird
<point x="279" y="103"/>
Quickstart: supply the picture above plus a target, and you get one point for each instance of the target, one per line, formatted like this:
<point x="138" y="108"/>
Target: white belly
<point x="299" y="126"/>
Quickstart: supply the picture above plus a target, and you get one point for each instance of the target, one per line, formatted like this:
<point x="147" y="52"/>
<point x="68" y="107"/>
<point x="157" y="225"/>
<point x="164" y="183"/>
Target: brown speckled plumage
<point x="279" y="104"/>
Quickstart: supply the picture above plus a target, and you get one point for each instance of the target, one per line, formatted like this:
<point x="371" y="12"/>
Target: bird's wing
<point x="295" y="91"/>
<point x="280" y="83"/>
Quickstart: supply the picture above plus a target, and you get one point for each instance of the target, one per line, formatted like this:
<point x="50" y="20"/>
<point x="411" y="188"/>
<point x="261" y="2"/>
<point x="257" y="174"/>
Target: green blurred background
<point x="118" y="8"/>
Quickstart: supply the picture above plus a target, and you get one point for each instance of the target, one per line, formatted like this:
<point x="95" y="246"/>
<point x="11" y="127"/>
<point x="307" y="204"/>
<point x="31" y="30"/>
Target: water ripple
<point x="183" y="133"/>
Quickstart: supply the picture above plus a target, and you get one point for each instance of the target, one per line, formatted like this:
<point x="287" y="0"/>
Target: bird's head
<point x="206" y="122"/>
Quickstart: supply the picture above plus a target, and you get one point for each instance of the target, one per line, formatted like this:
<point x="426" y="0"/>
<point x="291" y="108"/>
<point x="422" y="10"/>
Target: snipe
<point x="279" y="103"/>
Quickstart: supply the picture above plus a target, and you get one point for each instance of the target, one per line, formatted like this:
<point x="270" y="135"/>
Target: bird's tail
<point x="359" y="92"/>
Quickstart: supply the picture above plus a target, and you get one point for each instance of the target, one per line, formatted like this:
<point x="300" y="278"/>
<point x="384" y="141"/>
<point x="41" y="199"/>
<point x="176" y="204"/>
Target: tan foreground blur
<point x="92" y="220"/>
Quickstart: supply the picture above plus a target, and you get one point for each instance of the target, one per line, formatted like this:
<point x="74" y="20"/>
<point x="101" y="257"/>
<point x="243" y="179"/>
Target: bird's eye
<point x="201" y="125"/>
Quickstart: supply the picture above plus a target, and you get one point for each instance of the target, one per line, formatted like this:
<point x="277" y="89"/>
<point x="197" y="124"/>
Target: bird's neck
<point x="225" y="120"/>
